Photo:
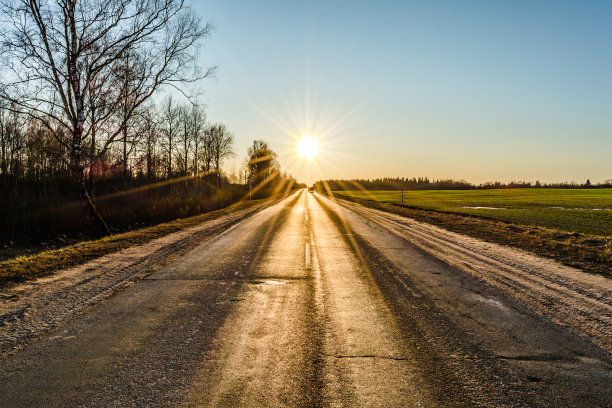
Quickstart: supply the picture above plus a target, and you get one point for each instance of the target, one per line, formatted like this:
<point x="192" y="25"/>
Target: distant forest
<point x="423" y="183"/>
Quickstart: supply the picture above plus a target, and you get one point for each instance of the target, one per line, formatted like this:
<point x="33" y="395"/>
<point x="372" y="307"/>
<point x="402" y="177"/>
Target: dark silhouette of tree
<point x="262" y="163"/>
<point x="150" y="136"/>
<point x="197" y="119"/>
<point x="169" y="129"/>
<point x="186" y="137"/>
<point x="221" y="146"/>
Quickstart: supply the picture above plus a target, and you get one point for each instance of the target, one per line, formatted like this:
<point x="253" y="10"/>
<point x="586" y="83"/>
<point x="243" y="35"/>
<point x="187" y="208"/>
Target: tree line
<point x="159" y="142"/>
<point x="423" y="183"/>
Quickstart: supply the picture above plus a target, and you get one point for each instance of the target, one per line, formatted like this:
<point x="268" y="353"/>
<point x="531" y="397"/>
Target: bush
<point x="31" y="214"/>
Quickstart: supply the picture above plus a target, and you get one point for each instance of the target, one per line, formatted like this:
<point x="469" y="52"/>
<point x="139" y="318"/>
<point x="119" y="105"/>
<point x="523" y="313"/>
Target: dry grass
<point x="44" y="263"/>
<point x="590" y="253"/>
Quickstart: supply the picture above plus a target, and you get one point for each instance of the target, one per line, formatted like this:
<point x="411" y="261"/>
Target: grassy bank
<point x="589" y="252"/>
<point x="47" y="262"/>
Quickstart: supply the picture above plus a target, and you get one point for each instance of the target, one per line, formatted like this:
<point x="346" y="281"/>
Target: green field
<point x="587" y="211"/>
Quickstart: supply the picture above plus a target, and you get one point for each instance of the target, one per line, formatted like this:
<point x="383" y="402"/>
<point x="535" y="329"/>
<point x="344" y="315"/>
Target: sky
<point x="476" y="90"/>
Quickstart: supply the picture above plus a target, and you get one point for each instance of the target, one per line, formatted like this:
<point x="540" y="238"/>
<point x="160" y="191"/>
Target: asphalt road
<point x="303" y="305"/>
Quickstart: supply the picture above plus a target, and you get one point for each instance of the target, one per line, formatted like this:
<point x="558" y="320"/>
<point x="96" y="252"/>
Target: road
<point x="309" y="303"/>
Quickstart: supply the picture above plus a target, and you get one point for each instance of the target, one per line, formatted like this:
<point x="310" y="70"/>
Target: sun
<point x="307" y="147"/>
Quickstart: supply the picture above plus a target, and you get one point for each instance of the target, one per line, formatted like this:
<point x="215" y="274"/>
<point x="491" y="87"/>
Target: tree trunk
<point x="195" y="164"/>
<point x="195" y="161"/>
<point x="149" y="160"/>
<point x="92" y="153"/>
<point x="3" y="164"/>
<point x="186" y="140"/>
<point x="125" y="153"/>
<point x="217" y="171"/>
<point x="186" y="163"/>
<point x="76" y="169"/>
<point x="170" y="157"/>
<point x="78" y="181"/>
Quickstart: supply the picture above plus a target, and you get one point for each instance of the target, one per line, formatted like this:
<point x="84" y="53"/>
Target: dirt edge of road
<point x="592" y="254"/>
<point x="44" y="263"/>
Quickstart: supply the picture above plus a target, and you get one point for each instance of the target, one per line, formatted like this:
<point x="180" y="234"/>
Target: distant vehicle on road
<point x="311" y="189"/>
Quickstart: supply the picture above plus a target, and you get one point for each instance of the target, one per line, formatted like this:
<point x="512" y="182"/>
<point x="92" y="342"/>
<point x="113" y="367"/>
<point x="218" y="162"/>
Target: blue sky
<point x="476" y="90"/>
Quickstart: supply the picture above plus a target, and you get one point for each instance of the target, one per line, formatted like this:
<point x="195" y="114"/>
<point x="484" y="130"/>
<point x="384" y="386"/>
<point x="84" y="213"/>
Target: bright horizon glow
<point x="307" y="147"/>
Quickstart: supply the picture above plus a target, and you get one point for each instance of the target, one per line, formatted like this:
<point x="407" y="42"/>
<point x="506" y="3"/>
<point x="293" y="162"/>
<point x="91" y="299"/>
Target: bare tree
<point x="207" y="151"/>
<point x="169" y="129"/>
<point x="198" y="125"/>
<point x="99" y="112"/>
<point x="186" y="136"/>
<point x="149" y="129"/>
<point x="53" y="50"/>
<point x="12" y="141"/>
<point x="127" y="79"/>
<point x="221" y="145"/>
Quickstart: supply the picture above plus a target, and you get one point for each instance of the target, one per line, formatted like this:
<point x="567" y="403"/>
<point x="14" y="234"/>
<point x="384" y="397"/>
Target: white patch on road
<point x="274" y="282"/>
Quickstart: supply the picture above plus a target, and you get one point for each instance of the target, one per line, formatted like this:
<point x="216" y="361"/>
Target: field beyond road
<point x="572" y="226"/>
<point x="588" y="211"/>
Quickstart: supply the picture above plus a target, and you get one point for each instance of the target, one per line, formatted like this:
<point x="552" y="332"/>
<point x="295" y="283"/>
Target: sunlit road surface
<point x="308" y="304"/>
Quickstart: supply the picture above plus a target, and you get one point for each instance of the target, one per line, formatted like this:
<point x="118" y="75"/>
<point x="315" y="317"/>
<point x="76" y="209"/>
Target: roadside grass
<point x="44" y="263"/>
<point x="587" y="211"/>
<point x="589" y="252"/>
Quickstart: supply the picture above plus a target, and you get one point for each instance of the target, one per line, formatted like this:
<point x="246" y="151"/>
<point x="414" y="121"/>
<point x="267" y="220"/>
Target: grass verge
<point x="590" y="253"/>
<point x="43" y="263"/>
